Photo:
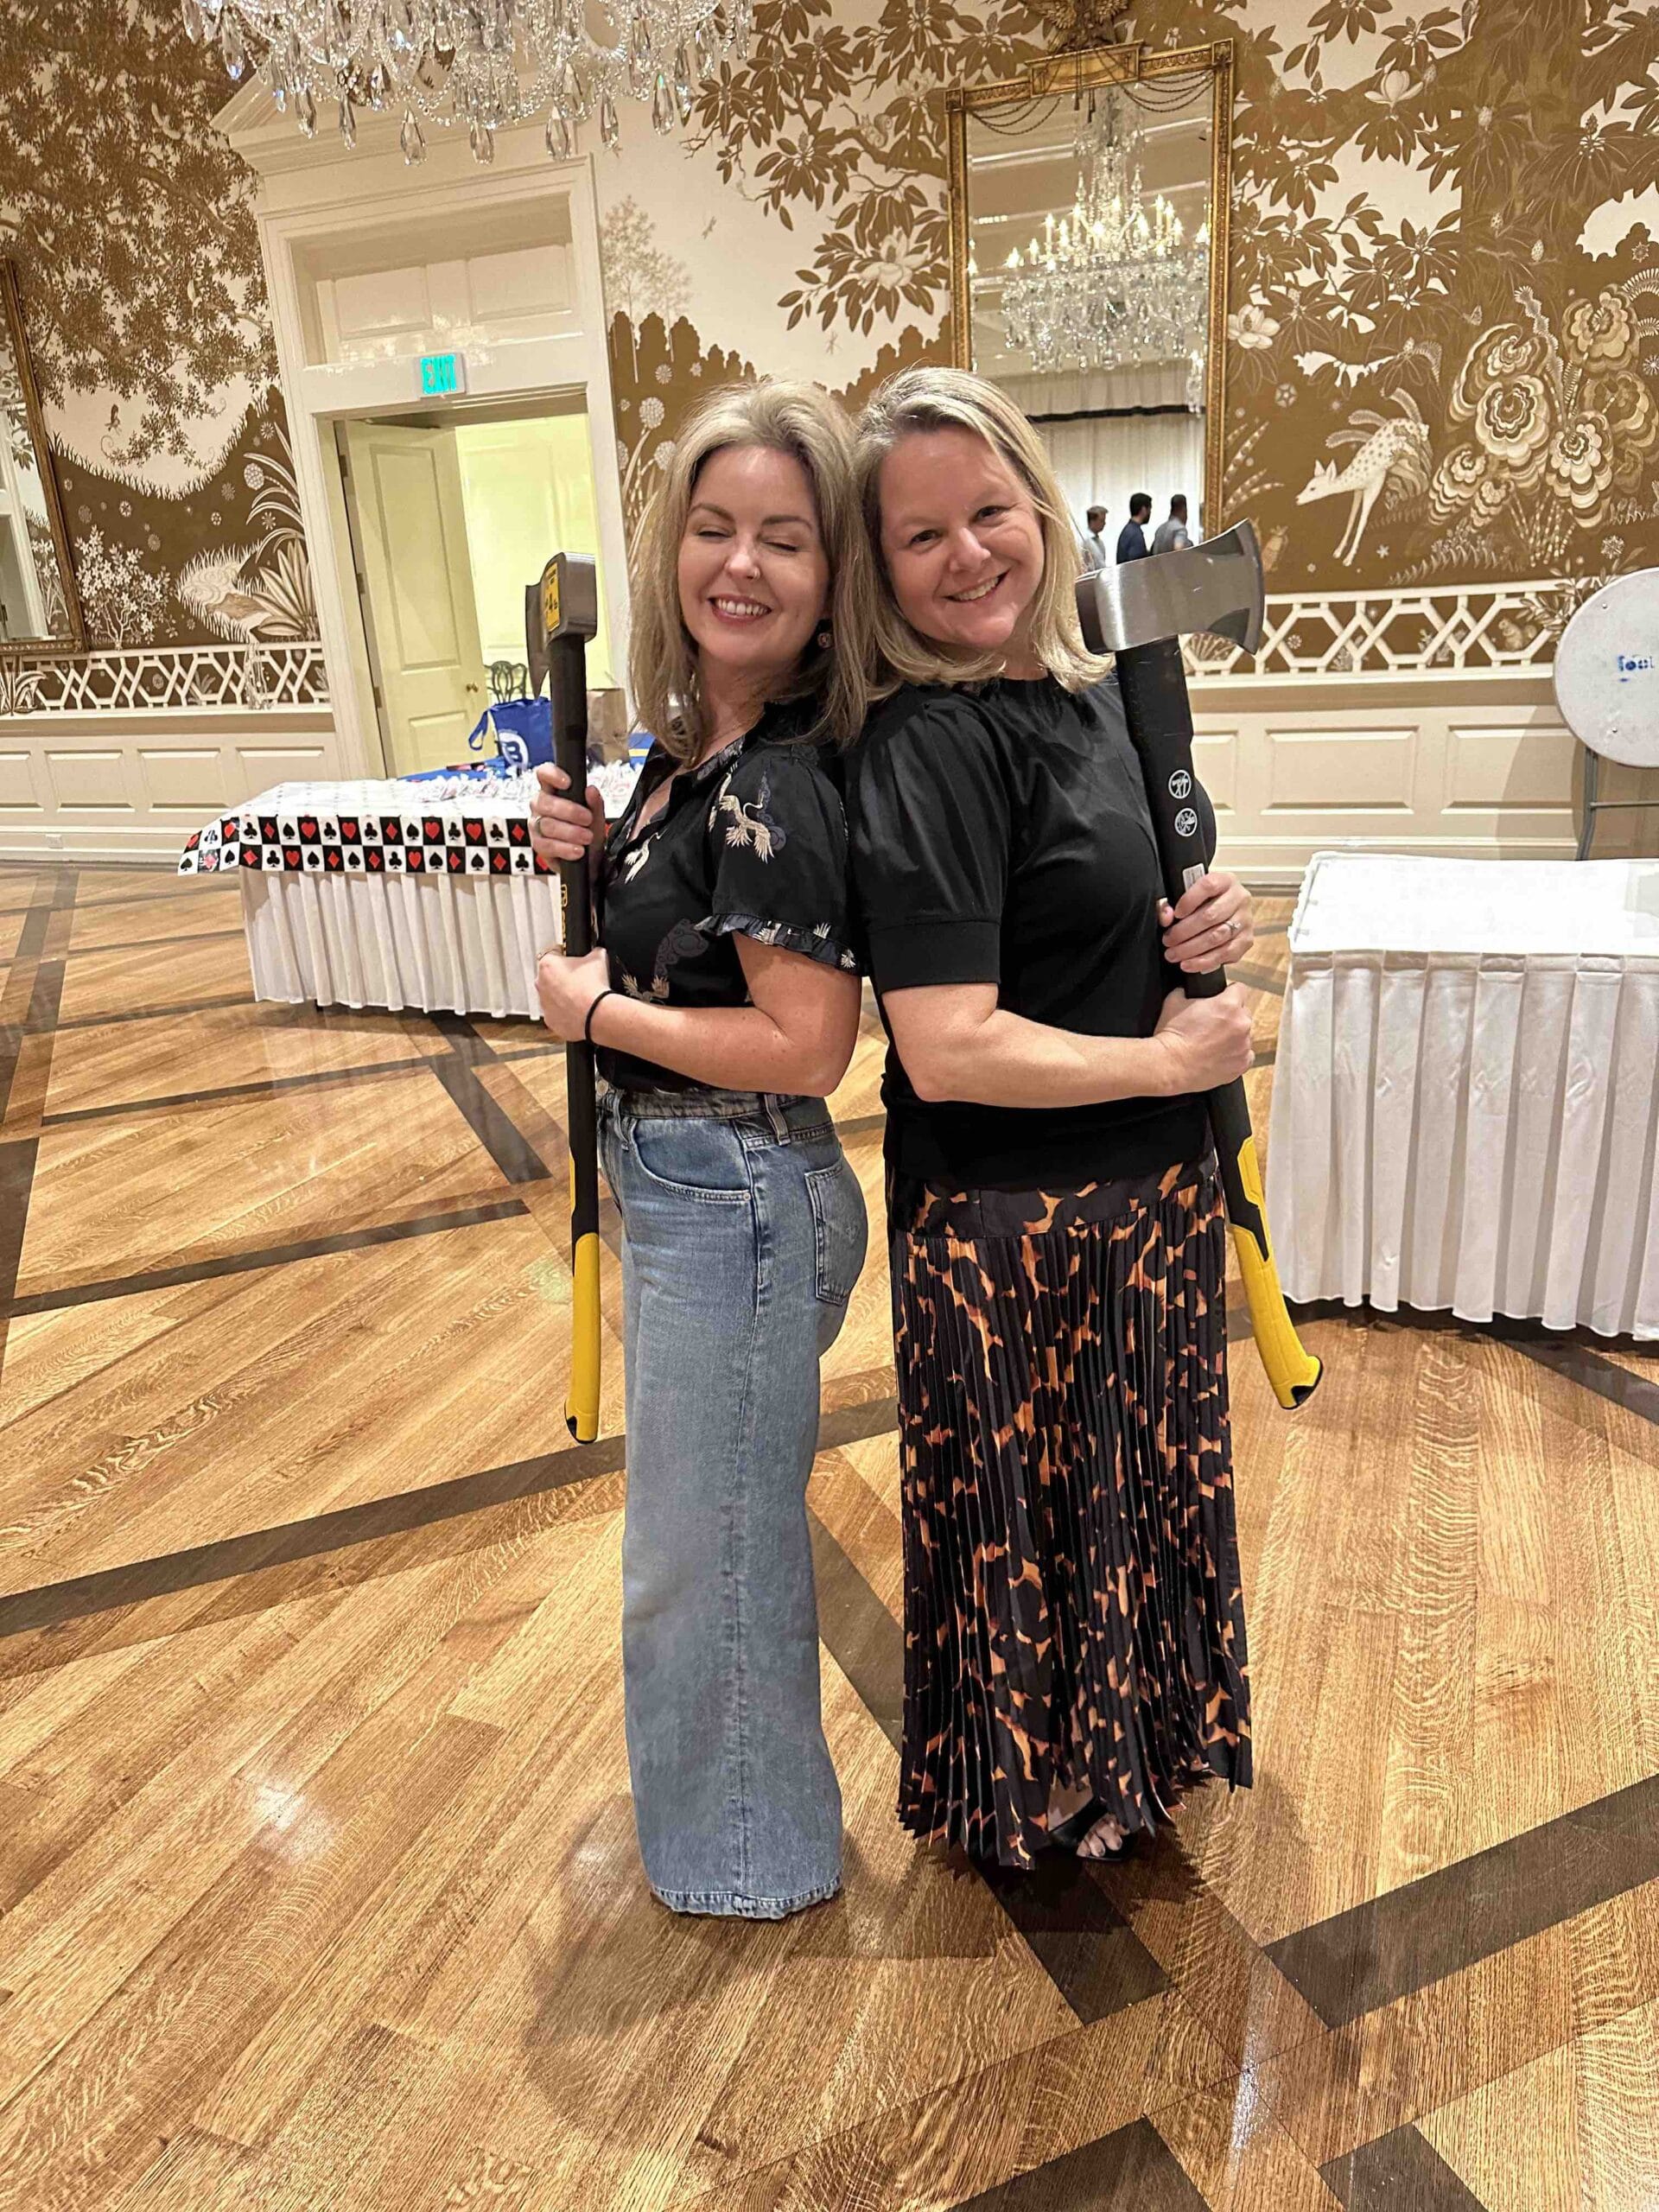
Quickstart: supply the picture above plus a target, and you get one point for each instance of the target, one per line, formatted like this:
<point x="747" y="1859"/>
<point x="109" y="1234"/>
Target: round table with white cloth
<point x="1465" y="1106"/>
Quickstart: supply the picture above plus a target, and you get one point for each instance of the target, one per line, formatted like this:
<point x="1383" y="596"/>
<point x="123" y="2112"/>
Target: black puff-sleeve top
<point x="751" y="842"/>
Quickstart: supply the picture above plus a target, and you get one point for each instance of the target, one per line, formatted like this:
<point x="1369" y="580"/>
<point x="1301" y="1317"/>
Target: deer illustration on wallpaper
<point x="1393" y="455"/>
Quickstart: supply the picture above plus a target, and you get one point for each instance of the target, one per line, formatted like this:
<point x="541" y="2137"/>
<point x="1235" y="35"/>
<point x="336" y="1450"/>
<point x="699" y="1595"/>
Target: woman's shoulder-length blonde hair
<point x="804" y="422"/>
<point x="938" y="399"/>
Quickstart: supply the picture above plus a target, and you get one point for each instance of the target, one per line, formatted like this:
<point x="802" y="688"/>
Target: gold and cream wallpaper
<point x="1442" y="344"/>
<point x="1444" y="338"/>
<point x="129" y="224"/>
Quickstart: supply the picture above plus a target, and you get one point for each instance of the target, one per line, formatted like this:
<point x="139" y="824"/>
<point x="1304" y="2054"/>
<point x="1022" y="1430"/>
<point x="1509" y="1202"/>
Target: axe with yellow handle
<point x="562" y="613"/>
<point x="1139" y="610"/>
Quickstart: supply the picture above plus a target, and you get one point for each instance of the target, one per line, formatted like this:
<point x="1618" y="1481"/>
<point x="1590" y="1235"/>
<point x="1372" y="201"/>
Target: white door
<point x="405" y="488"/>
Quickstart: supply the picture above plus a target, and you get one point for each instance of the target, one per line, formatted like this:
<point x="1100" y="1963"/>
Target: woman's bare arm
<point x="797" y="1036"/>
<point x="956" y="1043"/>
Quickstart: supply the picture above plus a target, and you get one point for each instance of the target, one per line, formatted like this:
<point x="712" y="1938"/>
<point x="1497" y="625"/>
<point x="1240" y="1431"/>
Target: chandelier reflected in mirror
<point x="1114" y="282"/>
<point x="476" y="65"/>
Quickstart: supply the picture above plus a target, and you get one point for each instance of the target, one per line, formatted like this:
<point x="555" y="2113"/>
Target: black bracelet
<point x="588" y="1026"/>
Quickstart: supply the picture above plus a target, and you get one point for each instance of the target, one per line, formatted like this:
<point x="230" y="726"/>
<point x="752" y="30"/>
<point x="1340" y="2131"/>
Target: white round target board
<point x="1607" y="671"/>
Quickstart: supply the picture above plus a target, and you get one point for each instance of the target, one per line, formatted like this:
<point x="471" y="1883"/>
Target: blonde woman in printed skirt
<point x="1074" y="1649"/>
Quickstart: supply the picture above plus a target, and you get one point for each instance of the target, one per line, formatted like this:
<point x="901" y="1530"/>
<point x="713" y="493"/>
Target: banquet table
<point x="393" y="893"/>
<point x="1466" y="1105"/>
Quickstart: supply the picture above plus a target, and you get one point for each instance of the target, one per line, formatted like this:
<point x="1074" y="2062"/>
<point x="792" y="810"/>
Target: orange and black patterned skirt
<point x="1073" y="1614"/>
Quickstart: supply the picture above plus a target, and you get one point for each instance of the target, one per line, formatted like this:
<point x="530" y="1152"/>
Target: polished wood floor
<point x="317" y="1878"/>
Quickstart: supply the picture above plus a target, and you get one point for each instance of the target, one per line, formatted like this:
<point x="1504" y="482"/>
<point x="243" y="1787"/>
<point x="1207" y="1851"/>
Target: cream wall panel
<point x="181" y="779"/>
<point x="131" y="786"/>
<point x="85" y="780"/>
<point x="1507" y="765"/>
<point x="17" y="791"/>
<point x="525" y="291"/>
<point x="1331" y="770"/>
<point x="264" y="765"/>
<point x="531" y="282"/>
<point x="384" y="303"/>
<point x="1214" y="760"/>
<point x="1477" y="766"/>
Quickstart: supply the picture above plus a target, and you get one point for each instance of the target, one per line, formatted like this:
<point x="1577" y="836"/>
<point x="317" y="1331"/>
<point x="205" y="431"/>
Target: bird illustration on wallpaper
<point x="1393" y="456"/>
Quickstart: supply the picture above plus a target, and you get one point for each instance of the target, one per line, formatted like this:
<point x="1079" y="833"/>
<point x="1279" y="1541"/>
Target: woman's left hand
<point x="567" y="989"/>
<point x="1210" y="927"/>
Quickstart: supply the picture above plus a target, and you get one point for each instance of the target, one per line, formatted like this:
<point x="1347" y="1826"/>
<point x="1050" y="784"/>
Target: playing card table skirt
<point x="1465" y="1102"/>
<point x="384" y="895"/>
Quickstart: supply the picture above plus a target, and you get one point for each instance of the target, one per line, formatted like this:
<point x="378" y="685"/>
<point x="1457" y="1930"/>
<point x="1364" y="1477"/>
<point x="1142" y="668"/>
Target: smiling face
<point x="753" y="575"/>
<point x="963" y="542"/>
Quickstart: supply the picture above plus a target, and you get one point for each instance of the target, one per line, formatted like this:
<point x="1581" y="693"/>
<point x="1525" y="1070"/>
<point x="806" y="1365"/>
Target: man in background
<point x="1092" y="545"/>
<point x="1171" y="535"/>
<point x="1132" y="538"/>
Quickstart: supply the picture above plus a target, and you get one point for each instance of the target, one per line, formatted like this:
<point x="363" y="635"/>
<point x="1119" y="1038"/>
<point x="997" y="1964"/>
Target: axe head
<point x="1216" y="587"/>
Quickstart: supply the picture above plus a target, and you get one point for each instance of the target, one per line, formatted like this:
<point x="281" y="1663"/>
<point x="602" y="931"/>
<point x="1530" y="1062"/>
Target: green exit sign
<point x="443" y="372"/>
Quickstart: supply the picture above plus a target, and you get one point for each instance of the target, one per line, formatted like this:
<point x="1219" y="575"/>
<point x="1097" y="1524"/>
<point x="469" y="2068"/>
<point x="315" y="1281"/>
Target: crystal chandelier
<point x="482" y="64"/>
<point x="1114" y="282"/>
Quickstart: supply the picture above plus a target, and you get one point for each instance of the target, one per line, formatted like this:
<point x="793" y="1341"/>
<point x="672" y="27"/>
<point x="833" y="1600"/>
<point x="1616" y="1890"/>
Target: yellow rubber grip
<point x="1292" y="1372"/>
<point x="582" y="1405"/>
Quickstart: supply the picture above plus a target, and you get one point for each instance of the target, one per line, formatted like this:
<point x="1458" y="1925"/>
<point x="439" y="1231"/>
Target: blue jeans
<point x="744" y="1233"/>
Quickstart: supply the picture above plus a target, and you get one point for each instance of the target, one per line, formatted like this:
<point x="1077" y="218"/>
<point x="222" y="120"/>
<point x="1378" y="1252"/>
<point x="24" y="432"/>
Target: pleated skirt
<point x="1073" y="1613"/>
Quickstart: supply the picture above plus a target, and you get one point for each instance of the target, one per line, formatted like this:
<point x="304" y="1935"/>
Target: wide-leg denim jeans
<point x="745" y="1232"/>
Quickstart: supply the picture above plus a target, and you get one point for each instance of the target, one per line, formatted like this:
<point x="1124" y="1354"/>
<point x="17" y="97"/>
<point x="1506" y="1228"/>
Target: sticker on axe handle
<point x="1191" y="875"/>
<point x="1180" y="785"/>
<point x="1186" y="823"/>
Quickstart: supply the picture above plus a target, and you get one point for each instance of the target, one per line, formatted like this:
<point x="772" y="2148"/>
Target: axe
<point x="1138" y="611"/>
<point x="561" y="615"/>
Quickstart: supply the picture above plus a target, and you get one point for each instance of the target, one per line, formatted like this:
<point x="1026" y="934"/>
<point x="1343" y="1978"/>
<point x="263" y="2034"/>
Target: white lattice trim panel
<point x="162" y="679"/>
<point x="1495" y="628"/>
<point x="1498" y="628"/>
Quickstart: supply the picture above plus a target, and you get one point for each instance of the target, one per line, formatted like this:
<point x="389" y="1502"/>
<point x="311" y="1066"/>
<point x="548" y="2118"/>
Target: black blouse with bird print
<point x="751" y="842"/>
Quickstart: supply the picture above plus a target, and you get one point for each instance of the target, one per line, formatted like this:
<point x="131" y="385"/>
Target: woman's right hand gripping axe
<point x="1140" y="611"/>
<point x="563" y="615"/>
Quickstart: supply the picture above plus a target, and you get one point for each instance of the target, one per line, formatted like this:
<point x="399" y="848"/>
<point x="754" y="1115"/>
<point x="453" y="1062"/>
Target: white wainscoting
<point x="1477" y="767"/>
<point x="131" y="787"/>
<point x="1472" y="766"/>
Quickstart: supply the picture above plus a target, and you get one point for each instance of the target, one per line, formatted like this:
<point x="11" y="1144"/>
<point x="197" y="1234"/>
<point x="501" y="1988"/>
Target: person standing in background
<point x="1171" y="534"/>
<point x="1132" y="538"/>
<point x="1092" y="545"/>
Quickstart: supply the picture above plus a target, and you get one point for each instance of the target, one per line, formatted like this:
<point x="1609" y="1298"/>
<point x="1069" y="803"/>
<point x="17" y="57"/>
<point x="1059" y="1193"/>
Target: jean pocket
<point x="701" y="1160"/>
<point x="839" y="1229"/>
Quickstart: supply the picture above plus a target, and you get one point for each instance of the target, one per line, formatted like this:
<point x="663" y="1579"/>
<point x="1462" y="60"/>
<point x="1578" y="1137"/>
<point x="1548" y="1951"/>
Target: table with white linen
<point x="1466" y="1105"/>
<point x="392" y="894"/>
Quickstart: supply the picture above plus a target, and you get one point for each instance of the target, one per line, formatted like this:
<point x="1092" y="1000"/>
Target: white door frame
<point x="316" y="191"/>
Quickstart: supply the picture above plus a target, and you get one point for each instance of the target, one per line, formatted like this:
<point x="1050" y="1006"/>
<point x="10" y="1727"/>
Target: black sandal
<point x="1068" y="1834"/>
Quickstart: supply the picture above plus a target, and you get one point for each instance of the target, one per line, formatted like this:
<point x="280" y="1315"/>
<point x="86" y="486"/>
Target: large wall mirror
<point x="1089" y="205"/>
<point x="40" y="610"/>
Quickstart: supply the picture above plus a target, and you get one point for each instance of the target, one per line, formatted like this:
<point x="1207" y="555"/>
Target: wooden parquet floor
<point x="317" y="1879"/>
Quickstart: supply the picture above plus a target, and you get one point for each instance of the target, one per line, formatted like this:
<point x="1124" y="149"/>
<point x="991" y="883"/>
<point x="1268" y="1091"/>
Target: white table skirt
<point x="1465" y="1107"/>
<point x="454" y="944"/>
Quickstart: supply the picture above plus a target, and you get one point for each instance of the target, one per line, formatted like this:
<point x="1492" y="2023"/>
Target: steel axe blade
<point x="1216" y="587"/>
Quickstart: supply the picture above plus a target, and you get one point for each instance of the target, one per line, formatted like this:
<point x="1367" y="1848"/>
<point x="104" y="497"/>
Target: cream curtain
<point x="1103" y="460"/>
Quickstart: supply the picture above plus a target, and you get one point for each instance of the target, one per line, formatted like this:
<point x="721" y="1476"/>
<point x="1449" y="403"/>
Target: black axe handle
<point x="1159" y="718"/>
<point x="566" y="690"/>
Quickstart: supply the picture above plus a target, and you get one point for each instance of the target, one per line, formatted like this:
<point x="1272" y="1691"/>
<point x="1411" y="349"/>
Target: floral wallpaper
<point x="1443" y="343"/>
<point x="143" y="303"/>
<point x="1444" y="336"/>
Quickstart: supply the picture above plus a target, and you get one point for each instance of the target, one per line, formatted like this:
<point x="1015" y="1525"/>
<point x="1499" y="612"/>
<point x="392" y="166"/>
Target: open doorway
<point x="452" y="515"/>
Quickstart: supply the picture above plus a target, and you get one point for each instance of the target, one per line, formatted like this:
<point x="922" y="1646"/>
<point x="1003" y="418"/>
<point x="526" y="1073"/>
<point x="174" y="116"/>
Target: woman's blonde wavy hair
<point x="938" y="399"/>
<point x="800" y="420"/>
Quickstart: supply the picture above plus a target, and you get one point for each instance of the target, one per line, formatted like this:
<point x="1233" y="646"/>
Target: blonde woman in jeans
<point x="724" y="1001"/>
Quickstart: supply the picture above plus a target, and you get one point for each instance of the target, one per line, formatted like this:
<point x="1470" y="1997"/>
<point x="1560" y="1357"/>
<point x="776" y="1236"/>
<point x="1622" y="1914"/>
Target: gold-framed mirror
<point x="40" y="607"/>
<point x="1089" y="231"/>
